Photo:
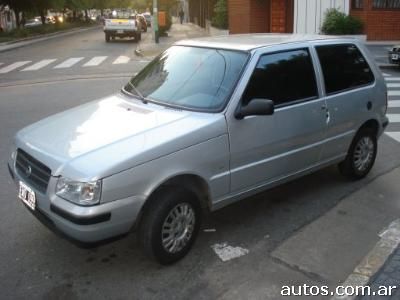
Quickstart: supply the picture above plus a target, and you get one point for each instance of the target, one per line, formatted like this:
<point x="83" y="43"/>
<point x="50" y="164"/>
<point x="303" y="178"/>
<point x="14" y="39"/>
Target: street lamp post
<point x="155" y="20"/>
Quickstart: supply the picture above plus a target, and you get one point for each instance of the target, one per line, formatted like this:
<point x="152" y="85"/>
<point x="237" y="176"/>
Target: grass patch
<point x="21" y="33"/>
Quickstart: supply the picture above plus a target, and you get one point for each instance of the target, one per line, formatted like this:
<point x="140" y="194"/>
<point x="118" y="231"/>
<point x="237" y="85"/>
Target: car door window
<point x="343" y="67"/>
<point x="284" y="77"/>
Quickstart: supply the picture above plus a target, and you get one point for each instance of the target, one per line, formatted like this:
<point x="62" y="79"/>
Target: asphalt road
<point x="37" y="264"/>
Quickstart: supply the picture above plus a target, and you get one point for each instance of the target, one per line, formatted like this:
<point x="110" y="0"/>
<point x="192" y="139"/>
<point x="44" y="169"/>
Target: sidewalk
<point x="147" y="47"/>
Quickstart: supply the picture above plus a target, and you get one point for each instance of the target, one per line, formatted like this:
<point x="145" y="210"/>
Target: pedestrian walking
<point x="181" y="15"/>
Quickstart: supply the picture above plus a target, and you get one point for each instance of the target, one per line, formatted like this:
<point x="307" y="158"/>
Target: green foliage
<point x="38" y="30"/>
<point x="220" y="19"/>
<point x="337" y="22"/>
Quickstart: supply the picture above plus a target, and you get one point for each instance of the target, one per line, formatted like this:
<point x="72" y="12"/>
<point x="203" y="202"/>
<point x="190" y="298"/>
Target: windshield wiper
<point x="141" y="97"/>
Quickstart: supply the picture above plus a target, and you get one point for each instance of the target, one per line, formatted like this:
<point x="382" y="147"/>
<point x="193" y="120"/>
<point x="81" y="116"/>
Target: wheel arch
<point x="190" y="182"/>
<point x="372" y="124"/>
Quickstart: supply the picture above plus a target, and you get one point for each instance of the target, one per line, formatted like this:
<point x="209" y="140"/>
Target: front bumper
<point x="90" y="224"/>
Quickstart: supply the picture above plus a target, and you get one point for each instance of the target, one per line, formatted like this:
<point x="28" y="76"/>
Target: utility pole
<point x="155" y="20"/>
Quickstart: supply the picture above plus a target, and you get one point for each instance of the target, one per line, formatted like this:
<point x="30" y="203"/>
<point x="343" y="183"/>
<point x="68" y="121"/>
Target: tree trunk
<point x="17" y="18"/>
<point x="74" y="15"/>
<point x="42" y="17"/>
<point x="86" y="16"/>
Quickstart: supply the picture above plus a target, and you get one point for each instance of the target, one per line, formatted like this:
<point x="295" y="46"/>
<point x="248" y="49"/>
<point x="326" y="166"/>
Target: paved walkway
<point x="147" y="47"/>
<point x="388" y="275"/>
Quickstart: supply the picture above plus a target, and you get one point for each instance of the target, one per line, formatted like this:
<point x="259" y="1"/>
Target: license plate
<point x="120" y="31"/>
<point x="27" y="195"/>
<point x="395" y="56"/>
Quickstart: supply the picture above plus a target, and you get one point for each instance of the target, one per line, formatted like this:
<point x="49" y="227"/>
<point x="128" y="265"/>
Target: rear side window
<point x="283" y="77"/>
<point x="344" y="67"/>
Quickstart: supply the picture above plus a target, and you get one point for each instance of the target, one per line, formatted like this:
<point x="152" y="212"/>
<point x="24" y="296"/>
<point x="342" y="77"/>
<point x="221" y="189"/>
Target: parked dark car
<point x="142" y="21"/>
<point x="147" y="17"/>
<point x="394" y="55"/>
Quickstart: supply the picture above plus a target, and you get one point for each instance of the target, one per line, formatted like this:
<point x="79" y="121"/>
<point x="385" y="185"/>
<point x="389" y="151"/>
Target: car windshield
<point x="190" y="77"/>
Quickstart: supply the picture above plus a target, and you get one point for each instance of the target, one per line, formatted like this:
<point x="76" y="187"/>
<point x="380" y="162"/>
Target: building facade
<point x="280" y="16"/>
<point x="381" y="18"/>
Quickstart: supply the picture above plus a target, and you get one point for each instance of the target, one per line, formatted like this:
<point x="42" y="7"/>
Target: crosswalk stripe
<point x="394" y="93"/>
<point x="393" y="85"/>
<point x="95" y="61"/>
<point x="394" y="135"/>
<point x="393" y="118"/>
<point x="121" y="60"/>
<point x="394" y="103"/>
<point x="39" y="65"/>
<point x="69" y="62"/>
<point x="14" y="66"/>
<point x="392" y="78"/>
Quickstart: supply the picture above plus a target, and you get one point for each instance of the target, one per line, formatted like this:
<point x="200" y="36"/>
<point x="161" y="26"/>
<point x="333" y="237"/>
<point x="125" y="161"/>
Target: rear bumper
<point x="87" y="225"/>
<point x="120" y="32"/>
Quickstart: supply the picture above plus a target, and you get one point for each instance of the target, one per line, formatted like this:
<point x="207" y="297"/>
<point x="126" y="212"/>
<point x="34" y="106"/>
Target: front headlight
<point x="82" y="193"/>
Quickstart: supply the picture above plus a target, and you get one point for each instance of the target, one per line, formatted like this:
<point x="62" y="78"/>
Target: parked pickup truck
<point x="122" y="24"/>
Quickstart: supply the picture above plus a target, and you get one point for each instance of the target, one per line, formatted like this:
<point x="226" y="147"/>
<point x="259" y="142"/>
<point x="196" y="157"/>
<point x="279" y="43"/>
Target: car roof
<point x="247" y="42"/>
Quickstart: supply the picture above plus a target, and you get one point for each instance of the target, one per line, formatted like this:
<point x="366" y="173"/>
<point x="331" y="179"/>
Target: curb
<point x="35" y="39"/>
<point x="375" y="259"/>
<point x="388" y="66"/>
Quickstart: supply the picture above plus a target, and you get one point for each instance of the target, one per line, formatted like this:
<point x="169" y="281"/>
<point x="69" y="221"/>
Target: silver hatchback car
<point x="206" y="123"/>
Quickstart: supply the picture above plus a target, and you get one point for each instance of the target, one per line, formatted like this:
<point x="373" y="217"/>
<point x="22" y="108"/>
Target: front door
<point x="268" y="148"/>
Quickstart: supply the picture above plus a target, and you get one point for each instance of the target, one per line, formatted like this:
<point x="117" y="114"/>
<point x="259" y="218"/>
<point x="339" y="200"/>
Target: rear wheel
<point x="361" y="155"/>
<point x="170" y="224"/>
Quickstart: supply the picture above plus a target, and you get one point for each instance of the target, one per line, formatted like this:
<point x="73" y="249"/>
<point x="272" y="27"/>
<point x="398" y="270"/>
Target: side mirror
<point x="256" y="107"/>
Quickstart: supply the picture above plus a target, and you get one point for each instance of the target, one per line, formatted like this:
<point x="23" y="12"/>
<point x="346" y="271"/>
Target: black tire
<point x="107" y="37"/>
<point x="351" y="167"/>
<point x="155" y="221"/>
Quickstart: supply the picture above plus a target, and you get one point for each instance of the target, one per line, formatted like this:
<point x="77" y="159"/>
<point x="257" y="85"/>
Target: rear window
<point x="343" y="67"/>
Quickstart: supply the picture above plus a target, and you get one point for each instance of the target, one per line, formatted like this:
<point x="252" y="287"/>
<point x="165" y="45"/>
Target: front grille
<point x="32" y="171"/>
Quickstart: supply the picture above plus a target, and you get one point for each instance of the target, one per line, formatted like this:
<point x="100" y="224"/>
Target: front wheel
<point x="361" y="155"/>
<point x="170" y="224"/>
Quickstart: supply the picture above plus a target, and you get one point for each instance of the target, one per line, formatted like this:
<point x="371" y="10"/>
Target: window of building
<point x="357" y="4"/>
<point x="343" y="67"/>
<point x="386" y="4"/>
<point x="283" y="77"/>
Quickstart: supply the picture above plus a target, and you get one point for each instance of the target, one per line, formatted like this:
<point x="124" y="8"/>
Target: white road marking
<point x="69" y="62"/>
<point x="39" y="65"/>
<point x="14" y="66"/>
<point x="393" y="85"/>
<point x="392" y="78"/>
<point x="121" y="60"/>
<point x="394" y="103"/>
<point x="95" y="61"/>
<point x="386" y="74"/>
<point x="226" y="252"/>
<point x="394" y="135"/>
<point x="394" y="118"/>
<point x="394" y="93"/>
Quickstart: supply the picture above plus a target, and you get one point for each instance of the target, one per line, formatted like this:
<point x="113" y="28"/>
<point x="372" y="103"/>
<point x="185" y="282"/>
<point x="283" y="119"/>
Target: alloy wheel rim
<point x="178" y="227"/>
<point x="363" y="153"/>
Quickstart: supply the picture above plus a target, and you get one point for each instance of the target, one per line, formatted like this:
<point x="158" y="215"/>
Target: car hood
<point x="110" y="135"/>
